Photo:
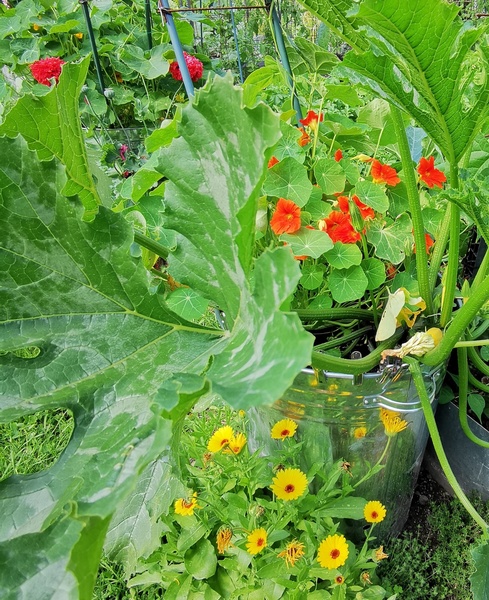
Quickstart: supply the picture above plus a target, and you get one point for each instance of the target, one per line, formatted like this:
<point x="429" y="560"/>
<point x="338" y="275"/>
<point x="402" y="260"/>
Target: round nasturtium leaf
<point x="201" y="560"/>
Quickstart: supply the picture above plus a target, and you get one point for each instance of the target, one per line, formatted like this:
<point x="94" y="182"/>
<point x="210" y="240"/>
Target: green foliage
<point x="110" y="348"/>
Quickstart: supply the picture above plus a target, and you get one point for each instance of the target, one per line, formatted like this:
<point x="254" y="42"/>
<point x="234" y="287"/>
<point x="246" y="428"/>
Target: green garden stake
<point x="282" y="51"/>
<point x="93" y="44"/>
<point x="147" y="12"/>
<point x="235" y="35"/>
<point x="167" y="18"/>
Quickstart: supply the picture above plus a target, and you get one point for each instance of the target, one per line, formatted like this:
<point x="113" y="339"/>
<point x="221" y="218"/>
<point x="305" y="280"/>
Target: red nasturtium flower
<point x="338" y="155"/>
<point x="304" y="139"/>
<point x="47" y="68"/>
<point x="365" y="211"/>
<point x="272" y="162"/>
<point x="312" y="119"/>
<point x="286" y="218"/>
<point x="429" y="241"/>
<point x="339" y="228"/>
<point x="194" y="65"/>
<point x="429" y="174"/>
<point x="384" y="174"/>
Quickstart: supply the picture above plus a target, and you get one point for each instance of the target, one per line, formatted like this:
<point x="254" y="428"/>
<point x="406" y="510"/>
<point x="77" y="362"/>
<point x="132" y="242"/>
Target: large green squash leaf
<point x="110" y="351"/>
<point x="50" y="124"/>
<point x="421" y="58"/>
<point x="479" y="581"/>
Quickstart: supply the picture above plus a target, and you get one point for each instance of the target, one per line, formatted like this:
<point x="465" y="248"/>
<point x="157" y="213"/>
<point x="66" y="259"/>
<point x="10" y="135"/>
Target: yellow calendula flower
<point x="223" y="539"/>
<point x="289" y="484"/>
<point x="36" y="27"/>
<point x="186" y="507"/>
<point x="359" y="432"/>
<point x="257" y="541"/>
<point x="220" y="439"/>
<point x="235" y="444"/>
<point x="333" y="552"/>
<point x="79" y="36"/>
<point x="374" y="512"/>
<point x="284" y="429"/>
<point x="293" y="551"/>
<point x="393" y="424"/>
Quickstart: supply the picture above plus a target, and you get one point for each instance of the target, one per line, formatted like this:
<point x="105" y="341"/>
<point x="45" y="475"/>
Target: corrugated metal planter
<point x="469" y="462"/>
<point x="339" y="418"/>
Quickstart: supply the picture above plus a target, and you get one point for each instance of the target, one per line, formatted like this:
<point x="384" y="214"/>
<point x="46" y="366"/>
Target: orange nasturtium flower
<point x="333" y="552"/>
<point x="286" y="218"/>
<point x="312" y="120"/>
<point x="429" y="174"/>
<point x="365" y="211"/>
<point x="272" y="162"/>
<point x="304" y="139"/>
<point x="283" y="429"/>
<point x="257" y="541"/>
<point x="338" y="155"/>
<point x="384" y="174"/>
<point x="374" y="512"/>
<point x="339" y="228"/>
<point x="289" y="484"/>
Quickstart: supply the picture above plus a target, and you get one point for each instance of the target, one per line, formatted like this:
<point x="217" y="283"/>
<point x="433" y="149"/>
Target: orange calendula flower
<point x="365" y="211"/>
<point x="333" y="552"/>
<point x="289" y="484"/>
<point x="428" y="174"/>
<point x="393" y="424"/>
<point x="220" y="439"/>
<point x="293" y="551"/>
<point x="223" y="539"/>
<point x="272" y="162"/>
<point x="384" y="174"/>
<point x="186" y="507"/>
<point x="304" y="139"/>
<point x="235" y="444"/>
<point x="374" y="512"/>
<point x="283" y="429"/>
<point x="339" y="228"/>
<point x="286" y="218"/>
<point x="338" y="155"/>
<point x="312" y="119"/>
<point x="257" y="541"/>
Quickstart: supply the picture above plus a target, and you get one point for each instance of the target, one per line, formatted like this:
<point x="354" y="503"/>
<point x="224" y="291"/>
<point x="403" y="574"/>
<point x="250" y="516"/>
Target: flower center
<point x="335" y="553"/>
<point x="187" y="504"/>
<point x="260" y="542"/>
<point x="285" y="433"/>
<point x="375" y="514"/>
<point x="289" y="488"/>
<point x="224" y="442"/>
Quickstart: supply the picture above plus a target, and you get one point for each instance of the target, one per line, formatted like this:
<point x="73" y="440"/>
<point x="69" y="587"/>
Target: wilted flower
<point x="223" y="539"/>
<point x="293" y="551"/>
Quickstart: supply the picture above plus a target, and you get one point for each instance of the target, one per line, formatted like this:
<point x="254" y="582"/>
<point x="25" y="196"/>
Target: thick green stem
<point x="358" y="366"/>
<point x="327" y="314"/>
<point x="439" y="249"/>
<point x="453" y="256"/>
<point x="460" y="322"/>
<point x="349" y="337"/>
<point x="478" y="384"/>
<point x="482" y="271"/>
<point x="414" y="209"/>
<point x="477" y="361"/>
<point x="463" y="389"/>
<point x="440" y="453"/>
<point x="150" y="244"/>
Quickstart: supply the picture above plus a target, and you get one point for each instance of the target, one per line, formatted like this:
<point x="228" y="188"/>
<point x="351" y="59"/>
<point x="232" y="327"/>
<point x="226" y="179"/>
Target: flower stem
<point x="149" y="244"/>
<point x="482" y="271"/>
<point x="453" y="255"/>
<point x="379" y="462"/>
<point x="460" y="322"/>
<point x="440" y="453"/>
<point x="414" y="209"/>
<point x="439" y="248"/>
<point x="326" y="314"/>
<point x="463" y="388"/>
<point x="375" y="312"/>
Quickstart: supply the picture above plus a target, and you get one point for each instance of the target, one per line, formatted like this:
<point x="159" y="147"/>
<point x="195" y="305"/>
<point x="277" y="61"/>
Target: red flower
<point x="339" y="228"/>
<point x="286" y="218"/>
<point x="122" y="152"/>
<point x="384" y="174"/>
<point x="429" y="174"/>
<point x="47" y="68"/>
<point x="365" y="211"/>
<point x="194" y="65"/>
<point x="272" y="162"/>
<point x="311" y="120"/>
<point x="338" y="155"/>
<point x="391" y="271"/>
<point x="429" y="242"/>
<point x="304" y="139"/>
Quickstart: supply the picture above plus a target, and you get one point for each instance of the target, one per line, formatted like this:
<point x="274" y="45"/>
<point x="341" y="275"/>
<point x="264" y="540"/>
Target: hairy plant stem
<point x="453" y="256"/>
<point x="460" y="322"/>
<point x="440" y="453"/>
<point x="414" y="209"/>
<point x="439" y="248"/>
<point x="482" y="271"/>
<point x="478" y="384"/>
<point x="354" y="366"/>
<point x="463" y="389"/>
<point x="375" y="312"/>
<point x="325" y="314"/>
<point x="349" y="337"/>
<point x="149" y="244"/>
<point x="477" y="361"/>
